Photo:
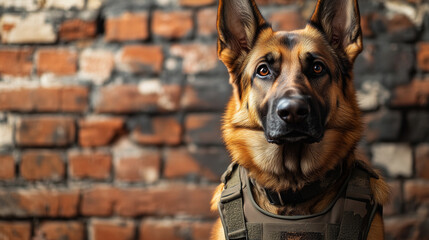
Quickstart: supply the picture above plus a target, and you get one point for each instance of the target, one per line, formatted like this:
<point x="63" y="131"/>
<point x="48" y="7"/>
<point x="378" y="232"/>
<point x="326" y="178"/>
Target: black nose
<point x="293" y="110"/>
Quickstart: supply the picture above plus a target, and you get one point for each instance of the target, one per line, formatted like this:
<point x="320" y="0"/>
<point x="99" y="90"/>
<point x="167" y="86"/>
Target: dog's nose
<point x="293" y="110"/>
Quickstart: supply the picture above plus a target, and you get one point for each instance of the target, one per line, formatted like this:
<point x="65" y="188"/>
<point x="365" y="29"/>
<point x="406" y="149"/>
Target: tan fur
<point x="291" y="165"/>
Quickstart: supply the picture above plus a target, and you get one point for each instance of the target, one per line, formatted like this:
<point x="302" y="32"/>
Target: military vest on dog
<point x="348" y="217"/>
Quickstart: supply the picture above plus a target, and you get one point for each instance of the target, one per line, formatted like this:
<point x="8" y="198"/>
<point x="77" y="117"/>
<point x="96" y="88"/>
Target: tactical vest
<point x="348" y="217"/>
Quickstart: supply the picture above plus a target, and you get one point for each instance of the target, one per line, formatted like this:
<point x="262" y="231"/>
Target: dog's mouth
<point x="294" y="136"/>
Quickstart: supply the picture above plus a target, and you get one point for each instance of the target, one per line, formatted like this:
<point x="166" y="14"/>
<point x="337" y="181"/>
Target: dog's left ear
<point x="340" y="22"/>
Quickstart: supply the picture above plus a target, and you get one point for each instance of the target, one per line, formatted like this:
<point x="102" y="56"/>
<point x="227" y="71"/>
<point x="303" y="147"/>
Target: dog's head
<point x="294" y="108"/>
<point x="289" y="84"/>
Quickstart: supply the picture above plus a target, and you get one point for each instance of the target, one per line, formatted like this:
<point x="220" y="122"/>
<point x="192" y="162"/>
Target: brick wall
<point x="110" y="114"/>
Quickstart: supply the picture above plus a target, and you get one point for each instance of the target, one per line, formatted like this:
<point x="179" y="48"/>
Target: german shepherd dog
<point x="293" y="116"/>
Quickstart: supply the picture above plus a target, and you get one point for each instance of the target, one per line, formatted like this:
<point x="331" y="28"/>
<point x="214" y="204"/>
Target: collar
<point x="309" y="191"/>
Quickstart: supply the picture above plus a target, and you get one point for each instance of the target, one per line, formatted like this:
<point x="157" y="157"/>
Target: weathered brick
<point x="42" y="165"/>
<point x="196" y="3"/>
<point x="17" y="29"/>
<point x="394" y="206"/>
<point x="206" y="94"/>
<point x="282" y="2"/>
<point x="15" y="230"/>
<point x="134" y="164"/>
<point x="287" y="20"/>
<point x="149" y="96"/>
<point x="417" y="126"/>
<point x="64" y="4"/>
<point x="127" y="27"/>
<point x="174" y="230"/>
<point x="422" y="161"/>
<point x="172" y="24"/>
<point x="157" y="130"/>
<point x="99" y="131"/>
<point x="383" y="125"/>
<point x="99" y="201"/>
<point x="77" y="29"/>
<point x="6" y="133"/>
<point x="39" y="203"/>
<point x="416" y="194"/>
<point x="406" y="227"/>
<point x="396" y="27"/>
<point x="393" y="62"/>
<point x="96" y="64"/>
<point x="59" y="61"/>
<point x="45" y="131"/>
<point x="54" y="230"/>
<point x="423" y="56"/>
<point x="112" y="229"/>
<point x="206" y="27"/>
<point x="44" y="99"/>
<point x="203" y="128"/>
<point x="414" y="94"/>
<point x="140" y="59"/>
<point x="170" y="200"/>
<point x="365" y="23"/>
<point x="394" y="159"/>
<point x="16" y="61"/>
<point x="197" y="58"/>
<point x="207" y="163"/>
<point x="90" y="164"/>
<point x="7" y="170"/>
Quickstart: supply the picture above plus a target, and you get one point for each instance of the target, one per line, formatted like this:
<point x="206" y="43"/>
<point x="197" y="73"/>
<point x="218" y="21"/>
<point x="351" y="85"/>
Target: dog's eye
<point x="263" y="70"/>
<point x="318" y="68"/>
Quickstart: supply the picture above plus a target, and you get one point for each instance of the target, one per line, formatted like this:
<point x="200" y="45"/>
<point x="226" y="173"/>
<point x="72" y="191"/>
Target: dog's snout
<point x="293" y="110"/>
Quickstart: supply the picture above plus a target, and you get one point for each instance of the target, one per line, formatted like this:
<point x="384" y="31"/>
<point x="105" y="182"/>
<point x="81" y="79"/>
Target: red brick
<point x="41" y="99"/>
<point x="116" y="229"/>
<point x="423" y="56"/>
<point x="42" y="165"/>
<point x="127" y="27"/>
<point x="137" y="166"/>
<point x="55" y="230"/>
<point x="39" y="203"/>
<point x="141" y="59"/>
<point x="15" y="230"/>
<point x="197" y="57"/>
<point x="281" y="2"/>
<point x="196" y="3"/>
<point x="414" y="94"/>
<point x="172" y="24"/>
<point x="89" y="164"/>
<point x="76" y="29"/>
<point x="181" y="163"/>
<point x="365" y="23"/>
<point x="157" y="131"/>
<point x="422" y="161"/>
<point x="416" y="193"/>
<point x="174" y="230"/>
<point x="171" y="200"/>
<point x="287" y="20"/>
<point x="7" y="170"/>
<point x="57" y="61"/>
<point x="99" y="201"/>
<point x="207" y="22"/>
<point x="45" y="131"/>
<point x="99" y="131"/>
<point x="96" y="64"/>
<point x="203" y="128"/>
<point x="131" y="98"/>
<point x="16" y="61"/>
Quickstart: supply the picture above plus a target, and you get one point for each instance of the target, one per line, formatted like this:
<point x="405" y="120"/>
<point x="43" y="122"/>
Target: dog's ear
<point x="238" y="22"/>
<point x="340" y="22"/>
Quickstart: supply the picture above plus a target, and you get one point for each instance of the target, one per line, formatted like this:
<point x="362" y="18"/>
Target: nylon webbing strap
<point x="357" y="202"/>
<point x="231" y="208"/>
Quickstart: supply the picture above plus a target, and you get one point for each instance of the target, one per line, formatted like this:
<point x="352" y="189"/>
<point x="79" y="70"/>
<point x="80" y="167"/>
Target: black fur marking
<point x="289" y="41"/>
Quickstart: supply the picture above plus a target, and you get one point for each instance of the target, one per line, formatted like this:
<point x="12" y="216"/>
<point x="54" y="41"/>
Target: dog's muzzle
<point x="293" y="119"/>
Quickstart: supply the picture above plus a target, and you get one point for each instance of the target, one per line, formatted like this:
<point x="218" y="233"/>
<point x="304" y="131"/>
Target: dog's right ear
<point x="238" y="23"/>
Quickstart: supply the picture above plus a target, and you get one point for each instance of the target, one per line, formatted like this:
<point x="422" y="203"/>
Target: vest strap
<point x="231" y="208"/>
